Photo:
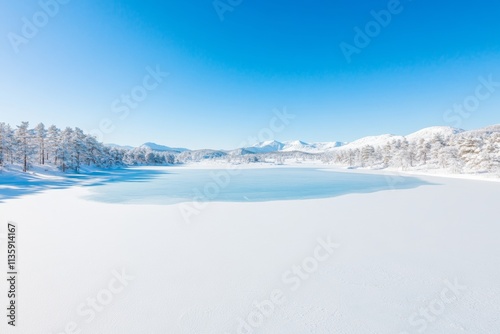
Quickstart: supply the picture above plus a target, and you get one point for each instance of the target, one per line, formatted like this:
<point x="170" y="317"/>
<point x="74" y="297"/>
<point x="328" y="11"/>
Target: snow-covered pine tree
<point x="367" y="156"/>
<point x="4" y="142"/>
<point x="53" y="142"/>
<point x="423" y="151"/>
<point x="387" y="155"/>
<point x="66" y="153"/>
<point x="41" y="135"/>
<point x="79" y="148"/>
<point x="24" y="147"/>
<point x="469" y="152"/>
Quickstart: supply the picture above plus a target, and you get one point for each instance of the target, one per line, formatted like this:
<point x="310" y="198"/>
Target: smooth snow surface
<point x="400" y="250"/>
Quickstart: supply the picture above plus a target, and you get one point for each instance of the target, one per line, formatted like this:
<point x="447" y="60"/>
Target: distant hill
<point x="162" y="148"/>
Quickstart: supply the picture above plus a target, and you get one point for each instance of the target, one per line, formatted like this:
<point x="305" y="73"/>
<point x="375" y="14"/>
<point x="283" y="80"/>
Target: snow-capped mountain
<point x="486" y="130"/>
<point x="273" y="146"/>
<point x="428" y="133"/>
<point x="291" y="146"/>
<point x="375" y="141"/>
<point x="300" y="146"/>
<point x="328" y="146"/>
<point x="122" y="147"/>
<point x="455" y="151"/>
<point x="162" y="148"/>
<point x="266" y="147"/>
<point x="297" y="145"/>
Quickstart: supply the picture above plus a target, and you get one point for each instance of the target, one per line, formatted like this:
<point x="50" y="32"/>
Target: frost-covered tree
<point x="423" y="151"/>
<point x="387" y="155"/>
<point x="367" y="156"/>
<point x="53" y="142"/>
<point x="68" y="149"/>
<point x="468" y="152"/>
<point x="72" y="150"/>
<point x="41" y="135"/>
<point x="6" y="144"/>
<point x="79" y="150"/>
<point x="24" y="149"/>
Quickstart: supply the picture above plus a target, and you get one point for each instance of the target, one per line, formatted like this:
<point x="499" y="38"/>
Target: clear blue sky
<point x="226" y="77"/>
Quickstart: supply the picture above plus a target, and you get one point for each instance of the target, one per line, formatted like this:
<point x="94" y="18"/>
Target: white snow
<point x="429" y="133"/>
<point x="399" y="252"/>
<point x="293" y="146"/>
<point x="488" y="129"/>
<point x="301" y="146"/>
<point x="123" y="147"/>
<point x="266" y="147"/>
<point x="162" y="148"/>
<point x="328" y="146"/>
<point x="375" y="141"/>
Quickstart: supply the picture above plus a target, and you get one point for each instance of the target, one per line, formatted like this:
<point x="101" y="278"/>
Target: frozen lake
<point x="178" y="184"/>
<point x="400" y="250"/>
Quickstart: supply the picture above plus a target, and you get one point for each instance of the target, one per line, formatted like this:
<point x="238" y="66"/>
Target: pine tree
<point x="66" y="154"/>
<point x="23" y="138"/>
<point x="469" y="151"/>
<point x="423" y="151"/>
<point x="367" y="156"/>
<point x="41" y="134"/>
<point x="53" y="139"/>
<point x="3" y="142"/>
<point x="387" y="155"/>
<point x="78" y="147"/>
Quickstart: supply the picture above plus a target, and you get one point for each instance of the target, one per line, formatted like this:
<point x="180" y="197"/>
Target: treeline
<point x="460" y="153"/>
<point x="472" y="152"/>
<point x="71" y="149"/>
<point x="68" y="149"/>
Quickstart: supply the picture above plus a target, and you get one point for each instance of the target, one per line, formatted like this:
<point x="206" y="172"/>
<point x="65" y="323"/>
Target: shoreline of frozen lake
<point x="173" y="185"/>
<point x="399" y="252"/>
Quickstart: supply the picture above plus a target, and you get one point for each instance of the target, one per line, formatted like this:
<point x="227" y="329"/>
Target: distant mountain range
<point x="162" y="148"/>
<point x="427" y="133"/>
<point x="150" y="146"/>
<point x="292" y="146"/>
<point x="441" y="148"/>
<point x="323" y="147"/>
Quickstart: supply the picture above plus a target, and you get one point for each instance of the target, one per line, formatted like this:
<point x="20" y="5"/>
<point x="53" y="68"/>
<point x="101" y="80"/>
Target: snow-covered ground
<point x="422" y="260"/>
